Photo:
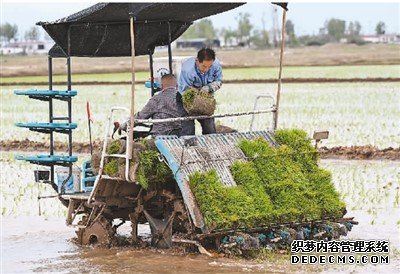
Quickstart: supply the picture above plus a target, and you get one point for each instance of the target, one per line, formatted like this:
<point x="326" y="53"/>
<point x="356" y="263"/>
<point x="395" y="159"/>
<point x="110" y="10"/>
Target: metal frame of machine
<point x="164" y="208"/>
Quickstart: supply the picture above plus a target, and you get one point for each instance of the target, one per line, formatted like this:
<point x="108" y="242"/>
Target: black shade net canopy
<point x="103" y="30"/>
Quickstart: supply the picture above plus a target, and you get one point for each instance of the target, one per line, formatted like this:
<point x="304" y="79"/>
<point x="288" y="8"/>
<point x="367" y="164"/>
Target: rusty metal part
<point x="161" y="204"/>
<point x="165" y="213"/>
<point x="99" y="232"/>
<point x="202" y="250"/>
<point x="95" y="213"/>
<point x="161" y="230"/>
<point x="95" y="228"/>
<point x="75" y="207"/>
<point x="134" y="217"/>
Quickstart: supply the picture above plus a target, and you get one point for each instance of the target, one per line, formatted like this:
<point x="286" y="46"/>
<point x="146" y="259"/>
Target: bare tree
<point x="244" y="27"/>
<point x="336" y="28"/>
<point x="275" y="28"/>
<point x="8" y="31"/>
<point x="228" y="34"/>
<point x="32" y="34"/>
<point x="380" y="28"/>
<point x="354" y="28"/>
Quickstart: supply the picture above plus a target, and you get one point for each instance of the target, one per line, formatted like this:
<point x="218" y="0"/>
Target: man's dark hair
<point x="206" y="54"/>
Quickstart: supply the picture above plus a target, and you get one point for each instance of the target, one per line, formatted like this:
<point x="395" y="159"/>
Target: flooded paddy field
<point x="46" y="246"/>
<point x="354" y="113"/>
<point x="33" y="243"/>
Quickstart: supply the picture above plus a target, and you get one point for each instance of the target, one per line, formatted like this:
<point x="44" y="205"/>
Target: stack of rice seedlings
<point x="282" y="184"/>
<point x="144" y="168"/>
<point x="198" y="102"/>
<point x="151" y="169"/>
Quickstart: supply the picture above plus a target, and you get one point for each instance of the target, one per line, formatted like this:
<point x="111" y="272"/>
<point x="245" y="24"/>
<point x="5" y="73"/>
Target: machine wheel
<point x="99" y="232"/>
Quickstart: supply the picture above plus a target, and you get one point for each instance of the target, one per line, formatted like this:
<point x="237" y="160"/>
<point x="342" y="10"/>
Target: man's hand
<point x="194" y="88"/>
<point x="212" y="87"/>
<point x="206" y="89"/>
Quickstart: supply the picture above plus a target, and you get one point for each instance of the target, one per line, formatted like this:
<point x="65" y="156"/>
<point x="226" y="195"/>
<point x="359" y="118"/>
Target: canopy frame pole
<point x="151" y="73"/>
<point x="169" y="48"/>
<point x="69" y="101"/>
<point x="278" y="94"/>
<point x="137" y="22"/>
<point x="50" y="68"/>
<point x="132" y="114"/>
<point x="69" y="83"/>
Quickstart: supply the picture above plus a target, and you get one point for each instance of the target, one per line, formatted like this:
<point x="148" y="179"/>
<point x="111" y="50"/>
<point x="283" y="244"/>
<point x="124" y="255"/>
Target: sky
<point x="308" y="18"/>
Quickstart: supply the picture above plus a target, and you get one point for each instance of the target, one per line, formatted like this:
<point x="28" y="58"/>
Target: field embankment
<point x="366" y="152"/>
<point x="294" y="74"/>
<point x="356" y="114"/>
<point x="327" y="55"/>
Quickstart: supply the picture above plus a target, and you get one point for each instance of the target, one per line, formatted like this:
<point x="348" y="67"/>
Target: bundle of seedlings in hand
<point x="198" y="102"/>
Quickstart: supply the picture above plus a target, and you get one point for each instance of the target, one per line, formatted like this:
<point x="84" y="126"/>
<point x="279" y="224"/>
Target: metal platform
<point x="77" y="196"/>
<point x="45" y="95"/>
<point x="206" y="152"/>
<point x="48" y="127"/>
<point x="49" y="160"/>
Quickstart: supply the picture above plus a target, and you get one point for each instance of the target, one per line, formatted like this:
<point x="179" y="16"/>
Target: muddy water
<point x="43" y="244"/>
<point x="32" y="244"/>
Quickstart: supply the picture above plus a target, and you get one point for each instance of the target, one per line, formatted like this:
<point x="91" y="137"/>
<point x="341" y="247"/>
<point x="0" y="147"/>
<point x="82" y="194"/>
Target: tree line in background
<point x="245" y="33"/>
<point x="9" y="32"/>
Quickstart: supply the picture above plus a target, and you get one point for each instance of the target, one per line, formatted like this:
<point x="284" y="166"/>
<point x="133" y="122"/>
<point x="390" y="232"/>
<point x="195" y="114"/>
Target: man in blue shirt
<point x="204" y="73"/>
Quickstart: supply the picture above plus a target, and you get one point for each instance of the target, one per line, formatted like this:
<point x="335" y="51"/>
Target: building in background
<point x="25" y="47"/>
<point x="382" y="38"/>
<point x="197" y="43"/>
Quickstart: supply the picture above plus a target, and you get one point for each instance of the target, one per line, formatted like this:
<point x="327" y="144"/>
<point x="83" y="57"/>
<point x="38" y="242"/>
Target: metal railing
<point x="108" y="136"/>
<point x="255" y="108"/>
<point x="104" y="154"/>
<point x="188" y="118"/>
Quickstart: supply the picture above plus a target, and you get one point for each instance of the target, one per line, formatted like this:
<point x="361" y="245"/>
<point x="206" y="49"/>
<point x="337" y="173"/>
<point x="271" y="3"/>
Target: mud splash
<point x="367" y="152"/>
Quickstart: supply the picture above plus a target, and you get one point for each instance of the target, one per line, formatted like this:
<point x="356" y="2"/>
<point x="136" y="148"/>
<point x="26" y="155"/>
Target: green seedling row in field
<point x="354" y="113"/>
<point x="282" y="184"/>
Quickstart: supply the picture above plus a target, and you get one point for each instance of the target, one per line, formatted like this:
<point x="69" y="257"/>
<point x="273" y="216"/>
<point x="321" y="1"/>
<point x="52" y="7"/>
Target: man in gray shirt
<point x="161" y="106"/>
